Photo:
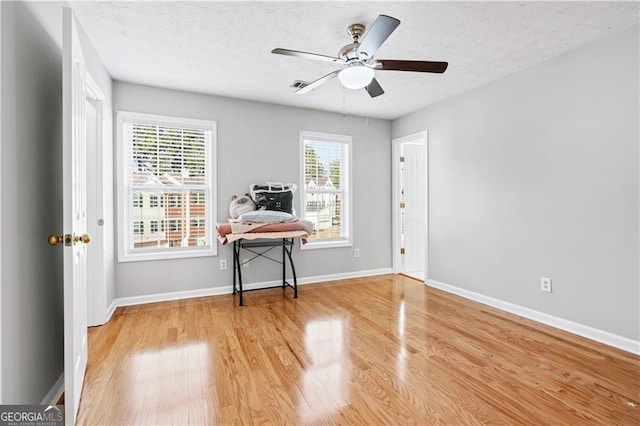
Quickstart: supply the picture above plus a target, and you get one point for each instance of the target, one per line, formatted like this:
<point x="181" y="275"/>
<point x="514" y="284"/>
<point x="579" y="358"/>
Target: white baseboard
<point x="227" y="289"/>
<point x="345" y="275"/>
<point x="601" y="336"/>
<point x="110" y="311"/>
<point x="54" y="394"/>
<point x="166" y="297"/>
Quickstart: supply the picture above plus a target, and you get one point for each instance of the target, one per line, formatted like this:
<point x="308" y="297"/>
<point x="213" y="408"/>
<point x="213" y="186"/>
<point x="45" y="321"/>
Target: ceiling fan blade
<point x="374" y="89"/>
<point x="380" y="30"/>
<point x="315" y="84"/>
<point x="307" y="55"/>
<point x="415" y="66"/>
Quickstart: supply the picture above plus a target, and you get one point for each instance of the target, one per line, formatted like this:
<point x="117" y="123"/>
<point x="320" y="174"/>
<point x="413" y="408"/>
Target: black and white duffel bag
<point x="273" y="196"/>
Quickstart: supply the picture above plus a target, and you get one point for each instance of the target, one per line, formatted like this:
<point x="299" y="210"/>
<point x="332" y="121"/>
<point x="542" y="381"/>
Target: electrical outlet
<point x="545" y="284"/>
<point x="356" y="252"/>
<point x="245" y="263"/>
<point x="223" y="264"/>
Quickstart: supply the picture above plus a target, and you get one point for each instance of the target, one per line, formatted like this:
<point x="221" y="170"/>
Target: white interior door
<point x="410" y="201"/>
<point x="414" y="201"/>
<point x="74" y="212"/>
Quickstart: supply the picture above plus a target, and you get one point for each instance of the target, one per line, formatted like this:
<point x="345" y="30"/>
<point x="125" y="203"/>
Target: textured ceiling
<point x="223" y="48"/>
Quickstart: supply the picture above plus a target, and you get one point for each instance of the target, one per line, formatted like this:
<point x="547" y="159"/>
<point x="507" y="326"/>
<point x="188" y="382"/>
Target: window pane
<point x="197" y="197"/>
<point x="324" y="210"/>
<point x="183" y="217"/>
<point x="137" y="199"/>
<point x="325" y="185"/>
<point x="156" y="200"/>
<point x="175" y="200"/>
<point x="324" y="162"/>
<point x="138" y="227"/>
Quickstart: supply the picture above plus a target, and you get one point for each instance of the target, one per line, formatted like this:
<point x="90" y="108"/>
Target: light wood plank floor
<point x="378" y="350"/>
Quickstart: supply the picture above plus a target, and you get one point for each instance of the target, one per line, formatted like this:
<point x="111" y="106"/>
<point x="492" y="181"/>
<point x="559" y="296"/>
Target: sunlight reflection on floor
<point x="325" y="386"/>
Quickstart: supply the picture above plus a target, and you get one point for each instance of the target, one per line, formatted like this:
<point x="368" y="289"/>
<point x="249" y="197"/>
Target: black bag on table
<point x="273" y="196"/>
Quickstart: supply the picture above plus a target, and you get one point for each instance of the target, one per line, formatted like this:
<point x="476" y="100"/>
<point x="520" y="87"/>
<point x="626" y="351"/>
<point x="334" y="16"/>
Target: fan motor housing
<point x="349" y="52"/>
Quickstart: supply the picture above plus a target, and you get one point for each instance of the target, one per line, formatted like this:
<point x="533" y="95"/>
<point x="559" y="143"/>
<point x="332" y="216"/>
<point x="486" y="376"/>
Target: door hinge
<point x="402" y="159"/>
<point x="402" y="205"/>
<point x="402" y="251"/>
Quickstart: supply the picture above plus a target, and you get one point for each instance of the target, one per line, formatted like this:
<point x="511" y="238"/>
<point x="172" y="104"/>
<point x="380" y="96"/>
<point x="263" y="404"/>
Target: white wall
<point x="259" y="142"/>
<point x="537" y="175"/>
<point x="31" y="299"/>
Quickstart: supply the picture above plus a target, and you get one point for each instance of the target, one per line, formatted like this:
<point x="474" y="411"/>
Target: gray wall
<point x="32" y="304"/>
<point x="256" y="143"/>
<point x="537" y="175"/>
<point x="32" y="322"/>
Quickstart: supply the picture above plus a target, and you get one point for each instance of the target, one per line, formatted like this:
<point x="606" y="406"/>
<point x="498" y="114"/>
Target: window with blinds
<point x="166" y="187"/>
<point x="326" y="188"/>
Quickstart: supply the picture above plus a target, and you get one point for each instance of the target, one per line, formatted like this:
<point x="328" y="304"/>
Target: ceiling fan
<point x="360" y="63"/>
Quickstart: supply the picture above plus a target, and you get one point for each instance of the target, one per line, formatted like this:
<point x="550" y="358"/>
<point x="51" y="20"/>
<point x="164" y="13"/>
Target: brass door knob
<point x="55" y="239"/>
<point x="84" y="238"/>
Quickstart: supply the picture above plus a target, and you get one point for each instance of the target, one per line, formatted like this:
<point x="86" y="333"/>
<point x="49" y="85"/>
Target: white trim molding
<point x="110" y="311"/>
<point x="55" y="393"/>
<point x="610" y="339"/>
<point x="228" y="289"/>
<point x="167" y="297"/>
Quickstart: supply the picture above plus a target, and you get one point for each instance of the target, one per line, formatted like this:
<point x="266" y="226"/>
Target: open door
<point x="413" y="205"/>
<point x="74" y="212"/>
<point x="410" y="199"/>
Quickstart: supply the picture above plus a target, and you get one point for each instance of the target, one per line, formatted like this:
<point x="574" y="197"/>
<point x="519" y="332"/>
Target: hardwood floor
<point x="378" y="350"/>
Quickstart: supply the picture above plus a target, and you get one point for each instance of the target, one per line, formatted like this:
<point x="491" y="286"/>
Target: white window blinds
<point x="167" y="156"/>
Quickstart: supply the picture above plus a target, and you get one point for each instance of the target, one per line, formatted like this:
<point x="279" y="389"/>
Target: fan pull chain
<point x="344" y="108"/>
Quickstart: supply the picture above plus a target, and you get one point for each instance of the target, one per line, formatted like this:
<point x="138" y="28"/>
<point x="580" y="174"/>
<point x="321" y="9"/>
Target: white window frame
<point x="346" y="184"/>
<point x="125" y="254"/>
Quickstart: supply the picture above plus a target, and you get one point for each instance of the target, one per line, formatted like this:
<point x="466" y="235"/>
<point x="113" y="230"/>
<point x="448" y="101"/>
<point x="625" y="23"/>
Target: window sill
<point x="166" y="255"/>
<point x="326" y="244"/>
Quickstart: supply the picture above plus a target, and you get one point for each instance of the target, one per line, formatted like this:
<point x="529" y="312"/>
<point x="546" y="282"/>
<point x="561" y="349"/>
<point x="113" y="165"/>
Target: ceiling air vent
<point x="299" y="84"/>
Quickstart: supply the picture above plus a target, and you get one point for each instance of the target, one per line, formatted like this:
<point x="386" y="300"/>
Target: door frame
<point x="423" y="137"/>
<point x="96" y="289"/>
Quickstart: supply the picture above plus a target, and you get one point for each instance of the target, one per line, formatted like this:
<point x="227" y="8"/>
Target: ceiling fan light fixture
<point x="356" y="76"/>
